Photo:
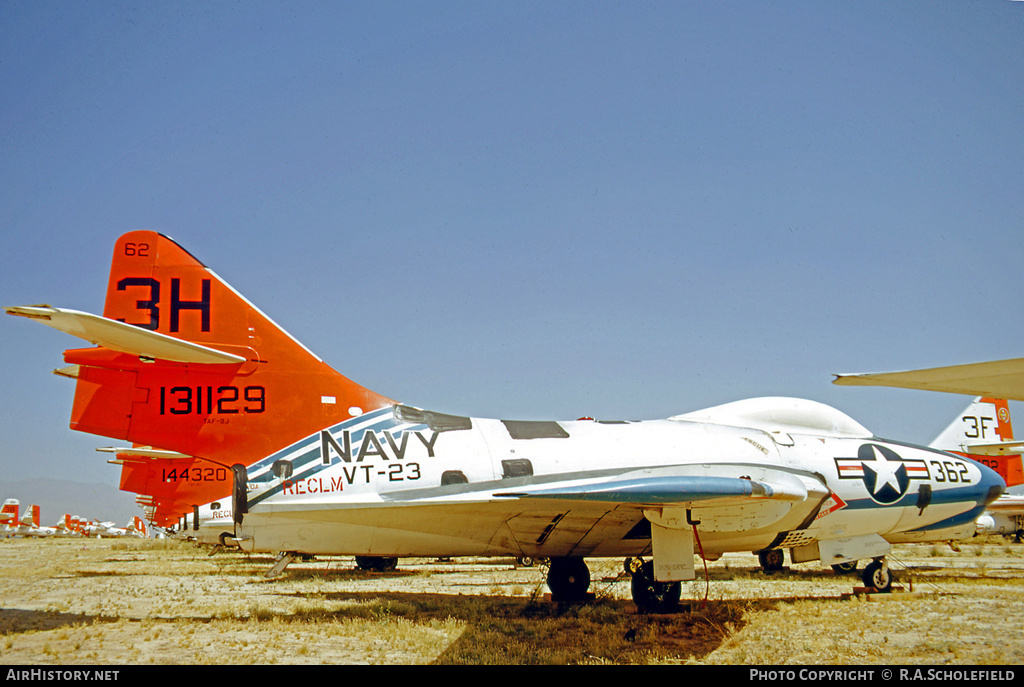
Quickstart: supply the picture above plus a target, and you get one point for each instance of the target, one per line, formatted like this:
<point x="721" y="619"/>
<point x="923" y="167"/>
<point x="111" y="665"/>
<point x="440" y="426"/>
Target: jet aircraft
<point x="182" y="363"/>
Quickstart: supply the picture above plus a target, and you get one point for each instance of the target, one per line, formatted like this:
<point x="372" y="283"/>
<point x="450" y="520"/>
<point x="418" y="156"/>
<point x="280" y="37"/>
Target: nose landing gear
<point x="650" y="595"/>
<point x="878" y="576"/>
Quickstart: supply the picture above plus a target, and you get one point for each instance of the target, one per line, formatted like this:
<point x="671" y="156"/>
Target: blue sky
<point x="529" y="210"/>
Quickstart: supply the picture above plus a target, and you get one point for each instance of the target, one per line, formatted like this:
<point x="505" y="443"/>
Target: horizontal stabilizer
<point x="71" y="371"/>
<point x="995" y="379"/>
<point x="1001" y="448"/>
<point x="668" y="490"/>
<point x="124" y="338"/>
<point x="143" y="452"/>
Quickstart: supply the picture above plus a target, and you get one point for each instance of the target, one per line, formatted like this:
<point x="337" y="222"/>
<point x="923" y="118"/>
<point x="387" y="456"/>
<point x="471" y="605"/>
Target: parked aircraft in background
<point x="64" y="527"/>
<point x="212" y="524"/>
<point x="208" y="524"/>
<point x="169" y="483"/>
<point x="984" y="432"/>
<point x="182" y="363"/>
<point x="29" y="525"/>
<point x="136" y="527"/>
<point x="1004" y="516"/>
<point x="104" y="529"/>
<point x="9" y="516"/>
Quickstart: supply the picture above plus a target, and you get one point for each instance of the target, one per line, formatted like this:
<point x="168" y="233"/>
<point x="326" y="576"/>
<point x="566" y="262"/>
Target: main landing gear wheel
<point x="568" y="579"/>
<point x="376" y="563"/>
<point x="771" y="560"/>
<point x="847" y="568"/>
<point x="878" y="575"/>
<point x="652" y="596"/>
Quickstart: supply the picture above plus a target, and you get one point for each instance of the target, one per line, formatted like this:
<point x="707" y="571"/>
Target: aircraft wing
<point x="995" y="379"/>
<point x="669" y="490"/>
<point x="1008" y="504"/>
<point x="589" y="515"/>
<point x="123" y="338"/>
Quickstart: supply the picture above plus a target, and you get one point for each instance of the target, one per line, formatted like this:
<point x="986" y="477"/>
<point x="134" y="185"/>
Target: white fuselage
<point x="407" y="483"/>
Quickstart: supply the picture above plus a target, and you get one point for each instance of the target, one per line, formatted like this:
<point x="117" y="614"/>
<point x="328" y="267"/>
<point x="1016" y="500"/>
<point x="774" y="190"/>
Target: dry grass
<point x="137" y="602"/>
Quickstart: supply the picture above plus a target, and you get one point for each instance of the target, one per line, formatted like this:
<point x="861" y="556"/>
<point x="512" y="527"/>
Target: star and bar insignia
<point x="885" y="474"/>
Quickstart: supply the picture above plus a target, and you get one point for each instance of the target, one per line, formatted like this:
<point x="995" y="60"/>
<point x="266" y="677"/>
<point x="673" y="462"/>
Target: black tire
<point x="772" y="560"/>
<point x="376" y="563"/>
<point x="847" y="568"/>
<point x="651" y="596"/>
<point x="878" y="577"/>
<point x="568" y="579"/>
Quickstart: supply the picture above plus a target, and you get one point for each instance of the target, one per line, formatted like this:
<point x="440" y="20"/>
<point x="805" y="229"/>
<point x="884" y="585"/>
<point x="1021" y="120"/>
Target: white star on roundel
<point x="885" y="472"/>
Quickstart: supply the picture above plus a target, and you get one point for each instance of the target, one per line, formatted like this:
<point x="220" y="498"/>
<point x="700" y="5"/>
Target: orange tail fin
<point x="202" y="372"/>
<point x="175" y="484"/>
<point x="139" y="525"/>
<point x="1009" y="466"/>
<point x="9" y="513"/>
<point x="984" y="432"/>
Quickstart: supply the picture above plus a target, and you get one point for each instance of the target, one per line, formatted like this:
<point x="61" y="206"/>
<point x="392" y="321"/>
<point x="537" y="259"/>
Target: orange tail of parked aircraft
<point x="1006" y="460"/>
<point x="9" y="513"/>
<point x="183" y="362"/>
<point x="139" y="527"/>
<point x="172" y="486"/>
<point x="984" y="432"/>
<point x="31" y="517"/>
<point x="64" y="524"/>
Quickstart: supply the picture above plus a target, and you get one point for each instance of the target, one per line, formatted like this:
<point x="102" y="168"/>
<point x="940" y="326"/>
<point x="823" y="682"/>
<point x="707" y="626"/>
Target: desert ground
<point x="132" y="602"/>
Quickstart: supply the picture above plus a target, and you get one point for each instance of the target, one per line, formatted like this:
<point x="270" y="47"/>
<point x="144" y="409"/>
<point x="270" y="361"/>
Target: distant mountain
<point x="95" y="501"/>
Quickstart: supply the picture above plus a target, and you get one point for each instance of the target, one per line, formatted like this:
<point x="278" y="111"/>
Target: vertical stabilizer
<point x="984" y="432"/>
<point x="9" y="513"/>
<point x="276" y="391"/>
<point x="184" y="363"/>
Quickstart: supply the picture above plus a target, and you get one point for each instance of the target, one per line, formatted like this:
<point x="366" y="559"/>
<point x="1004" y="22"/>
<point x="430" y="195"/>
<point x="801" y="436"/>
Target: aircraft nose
<point x="992" y="484"/>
